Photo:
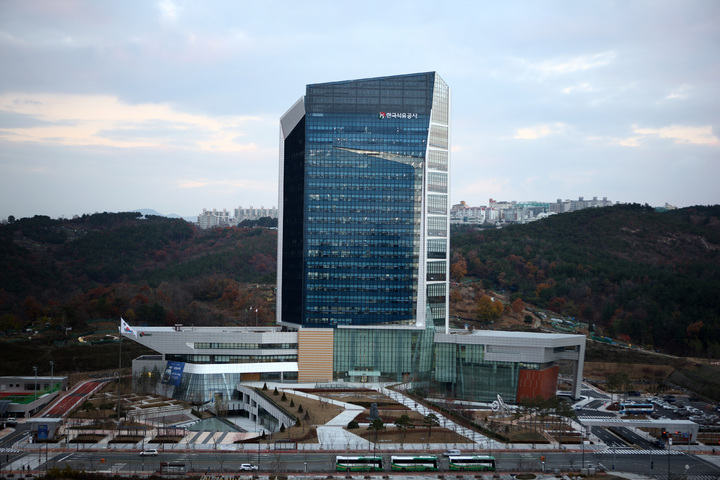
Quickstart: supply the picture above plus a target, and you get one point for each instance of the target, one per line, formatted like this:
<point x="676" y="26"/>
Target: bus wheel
<point x="462" y="469"/>
<point x="427" y="469"/>
<point x="404" y="469"/>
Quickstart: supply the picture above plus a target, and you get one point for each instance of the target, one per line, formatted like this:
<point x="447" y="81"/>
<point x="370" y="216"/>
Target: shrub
<point x="352" y="424"/>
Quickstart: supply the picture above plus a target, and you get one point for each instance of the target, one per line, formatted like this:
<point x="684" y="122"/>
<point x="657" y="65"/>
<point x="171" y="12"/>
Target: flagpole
<point x="119" y="373"/>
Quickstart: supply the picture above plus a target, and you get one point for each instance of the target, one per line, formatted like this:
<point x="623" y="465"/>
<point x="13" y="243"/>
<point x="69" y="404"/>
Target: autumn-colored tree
<point x="518" y="306"/>
<point x="693" y="330"/>
<point x="489" y="310"/>
<point x="455" y="296"/>
<point x="458" y="270"/>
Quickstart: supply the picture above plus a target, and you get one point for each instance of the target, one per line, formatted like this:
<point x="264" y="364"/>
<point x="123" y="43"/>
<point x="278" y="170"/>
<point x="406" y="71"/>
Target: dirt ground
<point x="318" y="413"/>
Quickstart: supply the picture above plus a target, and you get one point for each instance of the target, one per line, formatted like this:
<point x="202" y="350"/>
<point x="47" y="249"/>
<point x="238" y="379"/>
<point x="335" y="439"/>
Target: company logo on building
<point x="143" y="334"/>
<point x="384" y="115"/>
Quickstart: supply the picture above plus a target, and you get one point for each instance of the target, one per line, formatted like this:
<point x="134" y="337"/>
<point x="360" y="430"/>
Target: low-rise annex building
<point x="200" y="364"/>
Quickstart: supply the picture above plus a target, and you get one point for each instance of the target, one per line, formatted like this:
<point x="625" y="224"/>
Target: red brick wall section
<point x="538" y="383"/>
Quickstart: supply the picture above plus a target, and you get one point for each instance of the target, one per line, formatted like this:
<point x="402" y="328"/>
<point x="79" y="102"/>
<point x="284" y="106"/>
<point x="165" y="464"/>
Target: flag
<point x="125" y="328"/>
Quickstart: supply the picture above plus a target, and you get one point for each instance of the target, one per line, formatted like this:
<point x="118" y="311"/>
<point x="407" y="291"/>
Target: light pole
<point x="582" y="439"/>
<point x="52" y="365"/>
<point x="35" y="389"/>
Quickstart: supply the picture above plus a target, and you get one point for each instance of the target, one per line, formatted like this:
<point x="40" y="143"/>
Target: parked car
<point x="248" y="467"/>
<point x="150" y="453"/>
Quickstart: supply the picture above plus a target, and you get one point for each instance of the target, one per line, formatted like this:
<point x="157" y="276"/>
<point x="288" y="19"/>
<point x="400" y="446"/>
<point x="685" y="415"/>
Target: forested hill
<point x="152" y="270"/>
<point x="648" y="277"/>
<point x="636" y="274"/>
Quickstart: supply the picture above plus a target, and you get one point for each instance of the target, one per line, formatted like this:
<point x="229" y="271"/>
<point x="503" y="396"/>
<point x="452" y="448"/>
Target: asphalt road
<point x="627" y="460"/>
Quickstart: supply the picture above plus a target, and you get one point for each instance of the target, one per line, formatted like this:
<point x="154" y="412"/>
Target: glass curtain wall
<point x="366" y="142"/>
<point x="375" y="354"/>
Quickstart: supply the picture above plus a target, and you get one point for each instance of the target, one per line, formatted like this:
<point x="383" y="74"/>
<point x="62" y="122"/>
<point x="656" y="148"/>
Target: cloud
<point x="682" y="134"/>
<point x="679" y="134"/>
<point x="564" y="66"/>
<point x="168" y="10"/>
<point x="531" y="133"/>
<point x="680" y="93"/>
<point x="191" y="184"/>
<point x="582" y="87"/>
<point x="103" y="120"/>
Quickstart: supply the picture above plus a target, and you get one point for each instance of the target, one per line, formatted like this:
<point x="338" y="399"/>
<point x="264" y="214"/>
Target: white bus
<point x="472" y="462"/>
<point x="632" y="408"/>
<point x="427" y="463"/>
<point x="358" y="464"/>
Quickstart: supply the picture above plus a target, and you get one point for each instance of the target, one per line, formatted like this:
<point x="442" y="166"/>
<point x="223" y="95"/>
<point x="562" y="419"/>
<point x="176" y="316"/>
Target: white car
<point x="248" y="467"/>
<point x="448" y="453"/>
<point x="152" y="453"/>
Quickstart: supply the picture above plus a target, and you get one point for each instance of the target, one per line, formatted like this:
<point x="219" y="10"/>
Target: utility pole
<point x="52" y="365"/>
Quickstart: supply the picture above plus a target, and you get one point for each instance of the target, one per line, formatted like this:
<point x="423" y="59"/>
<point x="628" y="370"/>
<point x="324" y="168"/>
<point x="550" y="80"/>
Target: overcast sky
<point x="175" y="105"/>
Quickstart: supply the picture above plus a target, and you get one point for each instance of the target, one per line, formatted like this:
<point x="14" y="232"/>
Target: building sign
<point x="42" y="432"/>
<point x="173" y="373"/>
<point x="143" y="334"/>
<point x="384" y="115"/>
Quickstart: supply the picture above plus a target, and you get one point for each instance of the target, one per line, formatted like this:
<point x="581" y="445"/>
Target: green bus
<point x="472" y="462"/>
<point x="427" y="463"/>
<point x="358" y="464"/>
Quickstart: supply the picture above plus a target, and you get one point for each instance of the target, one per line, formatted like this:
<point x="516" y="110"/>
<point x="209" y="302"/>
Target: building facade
<point x="363" y="224"/>
<point x="363" y="253"/>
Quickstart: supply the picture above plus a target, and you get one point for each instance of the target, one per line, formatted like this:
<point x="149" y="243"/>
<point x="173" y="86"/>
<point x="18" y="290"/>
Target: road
<point x="627" y="460"/>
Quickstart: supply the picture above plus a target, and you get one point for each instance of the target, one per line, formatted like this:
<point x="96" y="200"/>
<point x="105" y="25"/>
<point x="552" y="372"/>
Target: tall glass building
<point x="363" y="227"/>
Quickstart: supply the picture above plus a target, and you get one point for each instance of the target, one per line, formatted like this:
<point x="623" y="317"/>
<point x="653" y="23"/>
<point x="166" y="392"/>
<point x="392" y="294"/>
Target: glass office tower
<point x="363" y="227"/>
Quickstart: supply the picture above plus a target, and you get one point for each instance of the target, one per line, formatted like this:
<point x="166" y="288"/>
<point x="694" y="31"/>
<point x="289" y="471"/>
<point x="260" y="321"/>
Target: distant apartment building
<point x="222" y="218"/>
<point x="253" y="213"/>
<point x="564" y="206"/>
<point x="214" y="218"/>
<point x="504" y="212"/>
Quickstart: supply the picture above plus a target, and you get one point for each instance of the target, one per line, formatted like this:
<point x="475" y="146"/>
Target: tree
<point x="431" y="420"/>
<point x="154" y="379"/>
<point x="403" y="423"/>
<point x="616" y="381"/>
<point x="376" y="425"/>
<point x="518" y="306"/>
<point x="489" y="310"/>
<point x="141" y="381"/>
<point x="458" y="270"/>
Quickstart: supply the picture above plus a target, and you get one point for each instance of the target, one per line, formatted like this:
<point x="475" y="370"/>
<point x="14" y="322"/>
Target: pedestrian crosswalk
<point x="8" y="450"/>
<point x="634" y="451"/>
<point x="686" y="477"/>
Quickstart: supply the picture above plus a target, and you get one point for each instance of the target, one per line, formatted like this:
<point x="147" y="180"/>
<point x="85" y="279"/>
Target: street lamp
<point x="582" y="439"/>
<point x="52" y="365"/>
<point x="35" y="389"/>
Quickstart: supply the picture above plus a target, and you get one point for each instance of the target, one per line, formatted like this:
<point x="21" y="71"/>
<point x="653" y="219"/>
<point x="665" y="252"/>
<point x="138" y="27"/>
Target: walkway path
<point x="332" y="435"/>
